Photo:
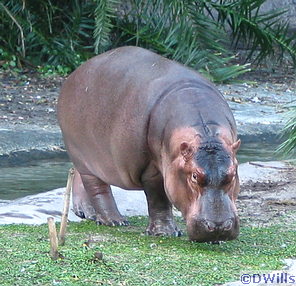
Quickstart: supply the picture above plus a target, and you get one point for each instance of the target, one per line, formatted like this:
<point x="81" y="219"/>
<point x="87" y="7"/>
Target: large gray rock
<point x="20" y="144"/>
<point x="259" y="109"/>
<point x="288" y="5"/>
<point x="36" y="209"/>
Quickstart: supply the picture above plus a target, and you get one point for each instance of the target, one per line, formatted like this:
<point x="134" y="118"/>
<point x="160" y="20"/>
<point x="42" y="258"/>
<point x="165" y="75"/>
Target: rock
<point x="264" y="171"/>
<point x="25" y="143"/>
<point x="262" y="118"/>
<point x="288" y="5"/>
<point x="36" y="208"/>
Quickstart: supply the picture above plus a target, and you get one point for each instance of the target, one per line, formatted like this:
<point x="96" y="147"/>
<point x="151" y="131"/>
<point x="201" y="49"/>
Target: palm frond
<point x="262" y="33"/>
<point x="181" y="31"/>
<point x="104" y="12"/>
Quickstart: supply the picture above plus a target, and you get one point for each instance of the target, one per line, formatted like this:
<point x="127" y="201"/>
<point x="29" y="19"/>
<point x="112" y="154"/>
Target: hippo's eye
<point x="198" y="177"/>
<point x="229" y="177"/>
<point x="194" y="177"/>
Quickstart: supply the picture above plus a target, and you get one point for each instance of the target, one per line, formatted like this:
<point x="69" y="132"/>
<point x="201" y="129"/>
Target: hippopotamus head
<point x="201" y="180"/>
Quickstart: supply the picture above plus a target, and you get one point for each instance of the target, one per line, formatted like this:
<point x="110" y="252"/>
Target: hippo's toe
<point x="117" y="221"/>
<point x="160" y="228"/>
<point x="85" y="211"/>
<point x="175" y="232"/>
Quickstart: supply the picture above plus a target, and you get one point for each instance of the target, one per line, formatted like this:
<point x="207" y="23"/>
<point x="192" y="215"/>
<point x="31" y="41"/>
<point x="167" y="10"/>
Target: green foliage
<point x="51" y="70"/>
<point x="130" y="258"/>
<point x="196" y="33"/>
<point x="51" y="32"/>
<point x="288" y="146"/>
<point x="9" y="61"/>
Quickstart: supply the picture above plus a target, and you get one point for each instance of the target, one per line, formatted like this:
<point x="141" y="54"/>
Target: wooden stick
<point x="271" y="167"/>
<point x="53" y="239"/>
<point x="67" y="196"/>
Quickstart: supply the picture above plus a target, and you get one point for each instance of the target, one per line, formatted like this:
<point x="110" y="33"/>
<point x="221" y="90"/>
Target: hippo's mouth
<point x="200" y="233"/>
<point x="214" y="238"/>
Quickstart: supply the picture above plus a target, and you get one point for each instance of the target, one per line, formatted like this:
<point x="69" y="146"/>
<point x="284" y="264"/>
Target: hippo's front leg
<point x="161" y="220"/>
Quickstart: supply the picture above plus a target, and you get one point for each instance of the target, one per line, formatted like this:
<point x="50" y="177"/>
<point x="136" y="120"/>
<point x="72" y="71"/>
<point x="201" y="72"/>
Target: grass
<point x="130" y="258"/>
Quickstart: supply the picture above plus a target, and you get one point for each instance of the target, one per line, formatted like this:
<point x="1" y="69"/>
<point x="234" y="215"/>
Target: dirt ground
<point x="268" y="203"/>
<point x="30" y="99"/>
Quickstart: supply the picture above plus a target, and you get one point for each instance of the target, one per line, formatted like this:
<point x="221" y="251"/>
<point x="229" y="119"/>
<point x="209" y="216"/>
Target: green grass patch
<point x="130" y="258"/>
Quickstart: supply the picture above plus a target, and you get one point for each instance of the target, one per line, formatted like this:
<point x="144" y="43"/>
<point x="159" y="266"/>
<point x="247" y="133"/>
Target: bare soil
<point x="267" y="203"/>
<point x="28" y="99"/>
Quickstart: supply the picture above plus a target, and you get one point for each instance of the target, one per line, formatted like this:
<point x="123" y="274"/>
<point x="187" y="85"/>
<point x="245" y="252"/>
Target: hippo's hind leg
<point x="161" y="220"/>
<point x="94" y="200"/>
<point x="82" y="206"/>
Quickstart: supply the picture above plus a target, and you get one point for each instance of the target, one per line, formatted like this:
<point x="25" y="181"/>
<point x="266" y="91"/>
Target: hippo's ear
<point x="235" y="146"/>
<point x="186" y="150"/>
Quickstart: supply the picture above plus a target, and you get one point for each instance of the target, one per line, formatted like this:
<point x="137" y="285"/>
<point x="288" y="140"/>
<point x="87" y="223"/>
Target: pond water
<point x="44" y="175"/>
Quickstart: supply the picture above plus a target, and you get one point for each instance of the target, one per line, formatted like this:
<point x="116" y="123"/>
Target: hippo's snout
<point x="210" y="231"/>
<point x="213" y="218"/>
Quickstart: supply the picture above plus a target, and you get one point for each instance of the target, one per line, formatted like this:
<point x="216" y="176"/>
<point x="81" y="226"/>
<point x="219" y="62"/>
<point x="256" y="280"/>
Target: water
<point x="258" y="151"/>
<point x="44" y="175"/>
<point x="39" y="177"/>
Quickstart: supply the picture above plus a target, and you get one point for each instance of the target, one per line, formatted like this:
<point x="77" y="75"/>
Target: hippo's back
<point x="104" y="110"/>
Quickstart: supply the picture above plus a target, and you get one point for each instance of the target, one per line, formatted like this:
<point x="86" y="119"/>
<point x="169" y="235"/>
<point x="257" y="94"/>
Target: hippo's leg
<point x="161" y="220"/>
<point x="95" y="201"/>
<point x="82" y="206"/>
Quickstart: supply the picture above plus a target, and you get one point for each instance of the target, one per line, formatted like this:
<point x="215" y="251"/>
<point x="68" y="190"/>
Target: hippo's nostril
<point x="227" y="225"/>
<point x="209" y="226"/>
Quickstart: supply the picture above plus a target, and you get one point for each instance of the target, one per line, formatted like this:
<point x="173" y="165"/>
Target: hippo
<point x="139" y="121"/>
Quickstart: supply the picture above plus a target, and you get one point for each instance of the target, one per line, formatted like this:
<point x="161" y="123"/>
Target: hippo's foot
<point x="163" y="228"/>
<point x="87" y="211"/>
<point x="111" y="219"/>
<point x="106" y="210"/>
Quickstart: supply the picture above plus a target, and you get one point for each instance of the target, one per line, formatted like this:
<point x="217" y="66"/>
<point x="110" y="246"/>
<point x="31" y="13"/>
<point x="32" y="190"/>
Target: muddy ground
<point x="29" y="99"/>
